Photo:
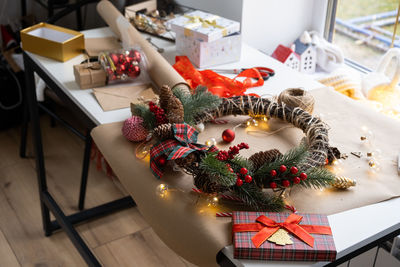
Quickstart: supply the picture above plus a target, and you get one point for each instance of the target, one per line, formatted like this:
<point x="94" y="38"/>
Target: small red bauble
<point x="296" y="180"/>
<point x="135" y="55"/>
<point x="114" y="58"/>
<point x="303" y="176"/>
<point x="273" y="185"/>
<point x="239" y="182"/>
<point x="228" y="135"/>
<point x="243" y="171"/>
<point x="285" y="183"/>
<point x="273" y="173"/>
<point x="282" y="168"/>
<point x="248" y="179"/>
<point x="293" y="170"/>
<point x="162" y="160"/>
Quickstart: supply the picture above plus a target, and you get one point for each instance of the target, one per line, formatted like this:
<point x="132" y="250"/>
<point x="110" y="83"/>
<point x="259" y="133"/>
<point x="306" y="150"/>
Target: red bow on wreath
<point x="184" y="143"/>
<point x="267" y="227"/>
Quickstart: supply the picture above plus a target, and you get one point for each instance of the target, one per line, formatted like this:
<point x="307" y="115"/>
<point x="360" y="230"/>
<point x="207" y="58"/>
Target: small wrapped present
<point x="90" y="75"/>
<point x="282" y="236"/>
<point x="205" y="54"/>
<point x="203" y="26"/>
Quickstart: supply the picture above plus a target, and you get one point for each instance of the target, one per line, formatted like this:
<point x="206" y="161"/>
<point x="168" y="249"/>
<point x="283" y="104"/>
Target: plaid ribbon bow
<point x="184" y="143"/>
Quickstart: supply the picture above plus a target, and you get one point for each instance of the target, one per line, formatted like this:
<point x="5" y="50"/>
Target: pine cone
<point x="188" y="161"/>
<point x="175" y="110"/>
<point x="262" y="157"/>
<point x="342" y="182"/>
<point x="203" y="183"/>
<point x="333" y="153"/>
<point x="165" y="95"/>
<point x="164" y="131"/>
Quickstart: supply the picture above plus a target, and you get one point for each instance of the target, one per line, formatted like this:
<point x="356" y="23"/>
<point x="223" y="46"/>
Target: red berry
<point x="296" y="180"/>
<point x="248" y="179"/>
<point x="293" y="170"/>
<point x="243" y="171"/>
<point x="326" y="161"/>
<point x="285" y="183"/>
<point x="230" y="169"/>
<point x="273" y="173"/>
<point x="273" y="185"/>
<point x="282" y="168"/>
<point x="303" y="176"/>
<point x="239" y="182"/>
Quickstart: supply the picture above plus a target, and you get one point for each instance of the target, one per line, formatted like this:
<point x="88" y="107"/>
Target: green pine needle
<point x="217" y="170"/>
<point x="318" y="177"/>
<point x="197" y="102"/>
<point x="149" y="120"/>
<point x="256" y="199"/>
<point x="293" y="157"/>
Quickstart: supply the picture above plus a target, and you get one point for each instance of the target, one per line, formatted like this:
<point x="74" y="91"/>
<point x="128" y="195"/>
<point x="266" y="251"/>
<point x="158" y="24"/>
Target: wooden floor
<point x="120" y="239"/>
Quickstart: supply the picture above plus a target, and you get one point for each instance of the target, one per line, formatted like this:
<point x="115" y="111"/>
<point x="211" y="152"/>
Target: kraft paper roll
<point x="160" y="71"/>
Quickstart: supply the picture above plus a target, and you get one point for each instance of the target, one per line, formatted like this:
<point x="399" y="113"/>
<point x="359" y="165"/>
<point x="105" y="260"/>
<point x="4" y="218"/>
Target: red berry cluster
<point x="224" y="155"/>
<point x="292" y="175"/>
<point x="243" y="173"/>
<point x="123" y="65"/>
<point x="158" y="112"/>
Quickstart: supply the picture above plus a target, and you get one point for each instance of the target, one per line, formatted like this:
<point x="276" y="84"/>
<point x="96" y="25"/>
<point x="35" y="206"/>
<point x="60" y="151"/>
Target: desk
<point x="59" y="77"/>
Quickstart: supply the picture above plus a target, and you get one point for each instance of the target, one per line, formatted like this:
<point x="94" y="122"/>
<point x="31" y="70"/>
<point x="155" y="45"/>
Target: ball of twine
<point x="297" y="97"/>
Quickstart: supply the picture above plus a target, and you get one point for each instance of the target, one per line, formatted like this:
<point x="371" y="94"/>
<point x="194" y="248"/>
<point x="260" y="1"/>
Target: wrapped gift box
<point x="322" y="250"/>
<point x="52" y="41"/>
<point x="205" y="54"/>
<point x="90" y="75"/>
<point x="203" y="26"/>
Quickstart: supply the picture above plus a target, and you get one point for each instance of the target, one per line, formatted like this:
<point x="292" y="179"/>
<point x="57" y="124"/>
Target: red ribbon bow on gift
<point x="267" y="227"/>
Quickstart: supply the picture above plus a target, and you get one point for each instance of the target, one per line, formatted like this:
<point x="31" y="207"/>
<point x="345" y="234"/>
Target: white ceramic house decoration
<point x="307" y="52"/>
<point x="287" y="56"/>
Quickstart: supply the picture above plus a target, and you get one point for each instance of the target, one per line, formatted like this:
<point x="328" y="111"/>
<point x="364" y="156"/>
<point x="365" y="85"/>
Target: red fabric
<point x="217" y="84"/>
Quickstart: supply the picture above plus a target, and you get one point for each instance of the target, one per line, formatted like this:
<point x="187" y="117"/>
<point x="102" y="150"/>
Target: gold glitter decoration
<point x="281" y="237"/>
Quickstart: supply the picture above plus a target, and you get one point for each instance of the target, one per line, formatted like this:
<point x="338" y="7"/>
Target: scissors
<point x="264" y="71"/>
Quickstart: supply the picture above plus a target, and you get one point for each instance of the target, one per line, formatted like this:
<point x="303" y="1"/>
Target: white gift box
<point x="203" y="26"/>
<point x="205" y="54"/>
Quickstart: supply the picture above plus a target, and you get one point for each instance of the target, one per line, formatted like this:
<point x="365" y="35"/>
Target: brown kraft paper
<point x="191" y="228"/>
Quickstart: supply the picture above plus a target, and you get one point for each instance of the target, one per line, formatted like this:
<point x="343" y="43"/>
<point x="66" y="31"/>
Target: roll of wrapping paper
<point x="160" y="71"/>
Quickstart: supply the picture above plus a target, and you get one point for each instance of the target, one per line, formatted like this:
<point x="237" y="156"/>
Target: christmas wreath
<point x="172" y="122"/>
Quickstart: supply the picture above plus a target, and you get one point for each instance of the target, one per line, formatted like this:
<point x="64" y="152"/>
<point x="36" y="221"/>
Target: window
<point x="363" y="29"/>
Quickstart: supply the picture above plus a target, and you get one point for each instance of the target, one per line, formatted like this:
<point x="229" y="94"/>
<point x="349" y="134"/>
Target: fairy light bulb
<point x="211" y="142"/>
<point x="337" y="166"/>
<point x="255" y="122"/>
<point x="374" y="165"/>
<point x="212" y="201"/>
<point x="367" y="136"/>
<point x="162" y="190"/>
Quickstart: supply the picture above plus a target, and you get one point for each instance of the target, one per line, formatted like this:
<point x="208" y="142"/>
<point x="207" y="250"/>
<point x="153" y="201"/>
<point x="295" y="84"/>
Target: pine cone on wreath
<point x="187" y="162"/>
<point x="164" y="131"/>
<point x="202" y="182"/>
<point x="165" y="95"/>
<point x="171" y="105"/>
<point x="258" y="159"/>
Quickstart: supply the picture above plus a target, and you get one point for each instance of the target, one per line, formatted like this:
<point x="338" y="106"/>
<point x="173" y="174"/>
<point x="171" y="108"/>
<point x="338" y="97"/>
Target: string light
<point x="212" y="201"/>
<point x="162" y="190"/>
<point x="211" y="142"/>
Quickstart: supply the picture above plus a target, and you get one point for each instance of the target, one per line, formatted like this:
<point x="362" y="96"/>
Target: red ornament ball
<point x="273" y="173"/>
<point x="282" y="168"/>
<point x="135" y="55"/>
<point x="243" y="171"/>
<point x="228" y="135"/>
<point x="273" y="185"/>
<point x="133" y="129"/>
<point x="303" y="176"/>
<point x="285" y="183"/>
<point x="248" y="179"/>
<point x="294" y="170"/>
<point x="239" y="182"/>
<point x="162" y="160"/>
<point x="296" y="180"/>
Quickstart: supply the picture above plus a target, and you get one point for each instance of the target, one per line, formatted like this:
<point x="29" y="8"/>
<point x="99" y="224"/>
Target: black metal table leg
<point x="24" y="131"/>
<point x="40" y="168"/>
<point x="85" y="171"/>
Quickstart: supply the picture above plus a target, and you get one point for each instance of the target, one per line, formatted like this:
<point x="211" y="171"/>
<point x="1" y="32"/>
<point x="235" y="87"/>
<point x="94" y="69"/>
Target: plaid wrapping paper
<point x="324" y="247"/>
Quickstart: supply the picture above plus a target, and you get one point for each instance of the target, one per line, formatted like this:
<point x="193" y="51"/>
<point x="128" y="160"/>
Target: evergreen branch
<point x="217" y="170"/>
<point x="143" y="111"/>
<point x="241" y="162"/>
<point x="197" y="102"/>
<point x="293" y="157"/>
<point x="318" y="177"/>
<point x="257" y="199"/>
